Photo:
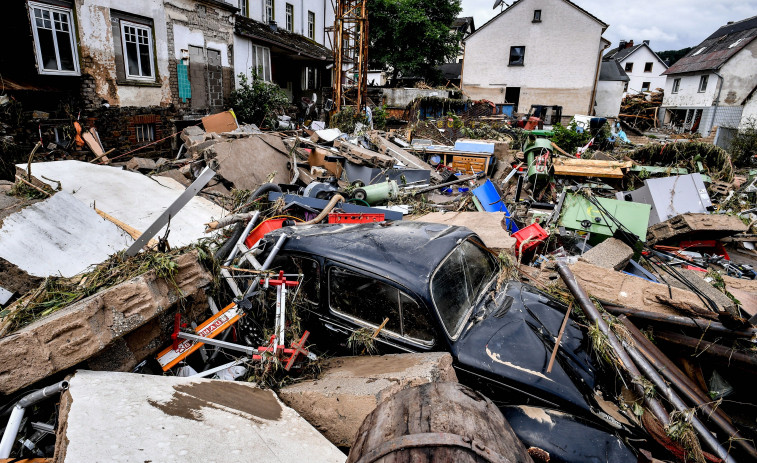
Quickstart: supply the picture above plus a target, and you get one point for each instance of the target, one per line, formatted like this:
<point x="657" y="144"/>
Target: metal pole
<point x="266" y="264"/>
<point x="671" y="372"/>
<point x="593" y="315"/>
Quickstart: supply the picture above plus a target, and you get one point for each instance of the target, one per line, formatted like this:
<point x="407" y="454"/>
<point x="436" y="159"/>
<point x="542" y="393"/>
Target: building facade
<point x="536" y="52"/>
<point x="642" y="66"/>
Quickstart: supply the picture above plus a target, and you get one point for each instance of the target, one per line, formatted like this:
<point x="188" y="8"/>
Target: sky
<point x="667" y="24"/>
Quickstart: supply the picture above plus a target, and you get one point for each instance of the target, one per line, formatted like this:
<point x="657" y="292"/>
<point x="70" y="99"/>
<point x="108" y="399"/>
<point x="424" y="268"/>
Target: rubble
<point x="610" y="253"/>
<point x="349" y="388"/>
<point x="489" y="226"/>
<point x="695" y="226"/>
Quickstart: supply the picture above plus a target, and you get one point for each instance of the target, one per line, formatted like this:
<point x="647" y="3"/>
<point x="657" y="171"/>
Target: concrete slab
<point x="695" y="226"/>
<point x="349" y="388"/>
<point x="86" y="328"/>
<point x="610" y="253"/>
<point x="126" y="417"/>
<point x="487" y="225"/>
<point x="247" y="162"/>
<point x="132" y="198"/>
<point x="60" y="236"/>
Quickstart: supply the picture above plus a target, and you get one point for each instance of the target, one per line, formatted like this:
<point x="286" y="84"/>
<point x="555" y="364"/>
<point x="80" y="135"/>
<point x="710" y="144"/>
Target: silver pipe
<point x="17" y="415"/>
<point x="266" y="264"/>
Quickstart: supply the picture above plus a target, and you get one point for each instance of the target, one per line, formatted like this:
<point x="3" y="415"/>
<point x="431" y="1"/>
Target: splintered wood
<point x="590" y="168"/>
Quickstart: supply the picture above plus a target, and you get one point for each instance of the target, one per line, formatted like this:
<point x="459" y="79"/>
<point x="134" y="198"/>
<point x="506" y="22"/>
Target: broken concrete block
<point x="697" y="279"/>
<point x="610" y="253"/>
<point x="743" y="290"/>
<point x="141" y="164"/>
<point x="695" y="226"/>
<point x="632" y="291"/>
<point x="108" y="416"/>
<point x="192" y="136"/>
<point x="247" y="162"/>
<point x="197" y="150"/>
<point x="83" y="329"/>
<point x="349" y="388"/>
<point x="487" y="225"/>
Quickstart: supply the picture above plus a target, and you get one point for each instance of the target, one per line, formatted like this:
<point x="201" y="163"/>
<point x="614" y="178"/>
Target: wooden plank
<point x="92" y="144"/>
<point x="219" y="123"/>
<point x="587" y="168"/>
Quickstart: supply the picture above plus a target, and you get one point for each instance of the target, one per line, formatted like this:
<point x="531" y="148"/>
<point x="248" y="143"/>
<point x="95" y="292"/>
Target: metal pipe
<point x="594" y="316"/>
<point x="711" y="349"/>
<point x="667" y="392"/>
<point x="686" y="387"/>
<point x="17" y="415"/>
<point x="266" y="264"/>
<point x="220" y="367"/>
<point x="686" y="322"/>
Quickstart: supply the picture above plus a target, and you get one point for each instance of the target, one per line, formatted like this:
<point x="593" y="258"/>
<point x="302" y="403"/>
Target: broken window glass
<point x="54" y="39"/>
<point x="310" y="284"/>
<point x="517" y="55"/>
<point x="458" y="283"/>
<point x="364" y="298"/>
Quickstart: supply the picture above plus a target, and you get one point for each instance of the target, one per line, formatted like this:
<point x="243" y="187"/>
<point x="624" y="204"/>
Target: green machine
<point x="538" y="152"/>
<point x="376" y="193"/>
<point x="581" y="215"/>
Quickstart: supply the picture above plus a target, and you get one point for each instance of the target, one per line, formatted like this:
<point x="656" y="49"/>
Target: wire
<point x="358" y="199"/>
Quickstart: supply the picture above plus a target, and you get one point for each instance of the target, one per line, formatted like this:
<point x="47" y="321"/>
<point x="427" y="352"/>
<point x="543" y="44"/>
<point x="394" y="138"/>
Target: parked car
<point x="438" y="285"/>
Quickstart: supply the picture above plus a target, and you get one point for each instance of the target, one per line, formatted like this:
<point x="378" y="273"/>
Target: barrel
<point x="437" y="422"/>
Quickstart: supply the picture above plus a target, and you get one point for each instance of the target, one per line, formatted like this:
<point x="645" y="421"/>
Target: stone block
<point x="78" y="332"/>
<point x="695" y="226"/>
<point x="193" y="135"/>
<point x="610" y="253"/>
<point x="113" y="416"/>
<point x="349" y="388"/>
<point x="141" y="164"/>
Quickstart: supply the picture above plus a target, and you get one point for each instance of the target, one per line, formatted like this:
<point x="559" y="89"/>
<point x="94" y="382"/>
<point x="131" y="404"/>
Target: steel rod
<point x="711" y="349"/>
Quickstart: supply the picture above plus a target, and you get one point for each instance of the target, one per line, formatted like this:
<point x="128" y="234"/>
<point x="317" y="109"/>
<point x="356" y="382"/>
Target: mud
<point x="16" y="280"/>
<point x="189" y="399"/>
<point x="367" y="366"/>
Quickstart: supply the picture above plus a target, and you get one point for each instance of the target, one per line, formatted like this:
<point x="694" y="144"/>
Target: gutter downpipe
<point x="717" y="99"/>
<point x="592" y="111"/>
<point x="17" y="415"/>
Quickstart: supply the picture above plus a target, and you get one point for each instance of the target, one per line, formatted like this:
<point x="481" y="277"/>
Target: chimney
<point x="729" y="23"/>
<point x="629" y="44"/>
<point x="646" y="42"/>
<point x="621" y="45"/>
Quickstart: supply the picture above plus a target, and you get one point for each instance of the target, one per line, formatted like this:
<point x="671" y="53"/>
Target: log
<point x="437" y="422"/>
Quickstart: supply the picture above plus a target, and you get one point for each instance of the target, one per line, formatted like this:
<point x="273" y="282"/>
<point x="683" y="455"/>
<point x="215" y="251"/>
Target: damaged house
<point x="707" y="90"/>
<point x="285" y="43"/>
<point x="536" y="52"/>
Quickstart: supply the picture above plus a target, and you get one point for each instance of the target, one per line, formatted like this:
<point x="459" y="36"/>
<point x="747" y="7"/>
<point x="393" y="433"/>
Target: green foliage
<point x="568" y="139"/>
<point x="380" y="115"/>
<point x="257" y="102"/>
<point x="673" y="55"/>
<point x="412" y="37"/>
<point x="744" y="144"/>
<point x="346" y="119"/>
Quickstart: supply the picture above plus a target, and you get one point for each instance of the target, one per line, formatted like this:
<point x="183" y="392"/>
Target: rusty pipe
<point x="334" y="200"/>
<point x="685" y="386"/>
<point x="594" y="316"/>
<point x="711" y="349"/>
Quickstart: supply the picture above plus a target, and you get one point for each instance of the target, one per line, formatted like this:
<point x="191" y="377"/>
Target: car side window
<point x="310" y="285"/>
<point x="371" y="301"/>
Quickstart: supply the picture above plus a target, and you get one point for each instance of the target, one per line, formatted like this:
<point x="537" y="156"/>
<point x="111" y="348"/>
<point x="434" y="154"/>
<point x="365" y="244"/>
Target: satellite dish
<point x="496" y="4"/>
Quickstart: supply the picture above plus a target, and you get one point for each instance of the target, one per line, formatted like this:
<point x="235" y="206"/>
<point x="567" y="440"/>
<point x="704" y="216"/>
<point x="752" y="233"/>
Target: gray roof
<point x="620" y="54"/>
<point x="717" y="48"/>
<point x="611" y="70"/>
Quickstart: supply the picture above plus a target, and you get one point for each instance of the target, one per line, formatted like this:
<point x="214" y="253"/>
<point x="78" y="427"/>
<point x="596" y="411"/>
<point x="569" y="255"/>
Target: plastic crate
<point x="261" y="230"/>
<point x="533" y="233"/>
<point x="355" y="218"/>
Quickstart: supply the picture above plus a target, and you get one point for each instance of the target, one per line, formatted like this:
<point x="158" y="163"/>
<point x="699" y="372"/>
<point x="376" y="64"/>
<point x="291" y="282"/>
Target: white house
<point x="285" y="42"/>
<point x="710" y="86"/>
<point x="610" y="89"/>
<point x="536" y="52"/>
<point x="641" y="65"/>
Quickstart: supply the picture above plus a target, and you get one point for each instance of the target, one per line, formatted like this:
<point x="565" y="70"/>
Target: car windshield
<point x="459" y="281"/>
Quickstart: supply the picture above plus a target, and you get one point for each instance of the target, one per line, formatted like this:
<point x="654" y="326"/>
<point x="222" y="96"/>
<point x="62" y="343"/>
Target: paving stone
<point x="610" y="253"/>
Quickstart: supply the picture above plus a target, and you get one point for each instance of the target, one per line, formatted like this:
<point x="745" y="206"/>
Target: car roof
<point x="402" y="251"/>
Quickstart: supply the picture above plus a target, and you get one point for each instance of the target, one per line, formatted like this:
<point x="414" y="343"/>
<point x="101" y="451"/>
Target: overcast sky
<point x="667" y="24"/>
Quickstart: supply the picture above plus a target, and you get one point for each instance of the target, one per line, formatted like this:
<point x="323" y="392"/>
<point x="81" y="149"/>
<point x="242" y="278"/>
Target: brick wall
<point x="117" y="129"/>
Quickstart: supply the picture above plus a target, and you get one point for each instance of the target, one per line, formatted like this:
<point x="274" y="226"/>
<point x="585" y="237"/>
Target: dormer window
<point x="537" y="16"/>
<point x="699" y="51"/>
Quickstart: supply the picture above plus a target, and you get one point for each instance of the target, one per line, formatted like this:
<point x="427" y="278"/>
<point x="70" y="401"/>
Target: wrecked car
<point x="438" y="286"/>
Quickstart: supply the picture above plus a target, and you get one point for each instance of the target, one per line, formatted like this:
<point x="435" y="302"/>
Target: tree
<point x="412" y="37"/>
<point x="673" y="55"/>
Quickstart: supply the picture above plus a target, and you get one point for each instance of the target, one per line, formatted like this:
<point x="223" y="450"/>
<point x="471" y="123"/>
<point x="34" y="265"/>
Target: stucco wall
<point x="97" y="51"/>
<point x="609" y="97"/>
<point x="688" y="91"/>
<point x="639" y="58"/>
<point x="750" y="112"/>
<point x="561" y="57"/>
<point x="324" y="15"/>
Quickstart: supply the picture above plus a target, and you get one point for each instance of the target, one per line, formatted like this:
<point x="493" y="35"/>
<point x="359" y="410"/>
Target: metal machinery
<point x="351" y="54"/>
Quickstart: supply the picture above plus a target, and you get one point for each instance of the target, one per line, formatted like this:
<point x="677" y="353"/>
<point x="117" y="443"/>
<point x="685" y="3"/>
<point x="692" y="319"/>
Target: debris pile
<point x="602" y="290"/>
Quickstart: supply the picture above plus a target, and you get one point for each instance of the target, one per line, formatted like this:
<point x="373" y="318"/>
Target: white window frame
<point x="705" y="79"/>
<point x="261" y="57"/>
<point x="311" y="25"/>
<point x="289" y="17"/>
<point x="269" y="11"/>
<point x="72" y="33"/>
<point x="676" y="85"/>
<point x="243" y="8"/>
<point x="151" y="77"/>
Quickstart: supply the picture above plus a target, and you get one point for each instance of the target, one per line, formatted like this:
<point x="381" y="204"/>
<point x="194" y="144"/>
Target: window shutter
<point x="118" y="48"/>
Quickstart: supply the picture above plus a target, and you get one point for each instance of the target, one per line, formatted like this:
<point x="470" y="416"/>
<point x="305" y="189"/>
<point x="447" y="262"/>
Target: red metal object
<point x="297" y="349"/>
<point x="532" y="123"/>
<point x="715" y="247"/>
<point x="281" y="281"/>
<point x="176" y="328"/>
<point x="260" y="231"/>
<point x="530" y="235"/>
<point x="355" y="218"/>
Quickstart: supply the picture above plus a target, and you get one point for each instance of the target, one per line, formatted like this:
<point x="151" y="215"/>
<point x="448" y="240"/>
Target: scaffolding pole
<point x="351" y="54"/>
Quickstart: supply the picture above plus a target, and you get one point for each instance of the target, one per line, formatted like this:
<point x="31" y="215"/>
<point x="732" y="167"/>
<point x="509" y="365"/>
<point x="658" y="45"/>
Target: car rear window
<point x="458" y="282"/>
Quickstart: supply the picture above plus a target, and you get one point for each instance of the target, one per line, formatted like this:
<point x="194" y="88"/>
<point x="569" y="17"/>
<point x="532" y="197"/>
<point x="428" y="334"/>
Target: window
<point x="537" y="16"/>
<point x="369" y="301"/>
<point x="309" y="78"/>
<point x="311" y="25"/>
<point x="268" y="11"/>
<point x="699" y="51"/>
<point x="629" y="67"/>
<point x="645" y="86"/>
<point x="54" y="39"/>
<point x="290" y="17"/>
<point x="137" y="50"/>
<point x="703" y="83"/>
<point x="144" y="132"/>
<point x="310" y="283"/>
<point x="517" y="55"/>
<point x="259" y="62"/>
<point x="648" y="67"/>
<point x="676" y="85"/>
<point x="625" y="87"/>
<point x="243" y="8"/>
<point x="459" y="282"/>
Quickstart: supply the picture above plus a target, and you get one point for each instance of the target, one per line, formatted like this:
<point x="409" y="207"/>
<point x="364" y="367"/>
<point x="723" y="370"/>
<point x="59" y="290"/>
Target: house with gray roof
<point x="642" y="65"/>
